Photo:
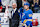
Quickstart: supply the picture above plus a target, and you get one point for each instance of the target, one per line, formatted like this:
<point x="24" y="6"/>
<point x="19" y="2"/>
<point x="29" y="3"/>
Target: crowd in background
<point x="4" y="3"/>
<point x="34" y="5"/>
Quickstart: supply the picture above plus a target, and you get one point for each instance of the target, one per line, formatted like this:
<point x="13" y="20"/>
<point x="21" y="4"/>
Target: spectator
<point x="5" y="2"/>
<point x="35" y="6"/>
<point x="38" y="11"/>
<point x="39" y="2"/>
<point x="31" y="2"/>
<point x="11" y="1"/>
<point x="19" y="2"/>
<point x="0" y="2"/>
<point x="3" y="8"/>
<point x="0" y="8"/>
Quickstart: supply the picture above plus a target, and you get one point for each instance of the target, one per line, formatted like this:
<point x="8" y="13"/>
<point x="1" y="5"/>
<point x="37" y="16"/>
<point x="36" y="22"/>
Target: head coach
<point x="15" y="15"/>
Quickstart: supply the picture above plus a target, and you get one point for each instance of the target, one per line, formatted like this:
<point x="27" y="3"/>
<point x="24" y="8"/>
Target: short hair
<point x="15" y="3"/>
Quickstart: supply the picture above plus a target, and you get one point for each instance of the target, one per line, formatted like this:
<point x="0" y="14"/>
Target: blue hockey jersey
<point x="27" y="14"/>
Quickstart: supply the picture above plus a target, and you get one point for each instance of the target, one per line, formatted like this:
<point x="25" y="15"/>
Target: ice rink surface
<point x="32" y="26"/>
<point x="20" y="25"/>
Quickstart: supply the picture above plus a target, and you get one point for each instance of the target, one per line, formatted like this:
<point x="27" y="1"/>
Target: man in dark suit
<point x="15" y="16"/>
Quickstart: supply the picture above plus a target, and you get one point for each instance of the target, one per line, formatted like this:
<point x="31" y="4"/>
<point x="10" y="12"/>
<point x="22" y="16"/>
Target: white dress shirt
<point x="13" y="11"/>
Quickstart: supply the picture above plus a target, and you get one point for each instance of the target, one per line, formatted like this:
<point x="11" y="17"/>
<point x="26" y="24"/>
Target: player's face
<point x="26" y="7"/>
<point x="14" y="5"/>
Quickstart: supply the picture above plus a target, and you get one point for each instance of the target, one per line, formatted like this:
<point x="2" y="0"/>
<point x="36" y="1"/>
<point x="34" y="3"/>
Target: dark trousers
<point x="9" y="22"/>
<point x="14" y="23"/>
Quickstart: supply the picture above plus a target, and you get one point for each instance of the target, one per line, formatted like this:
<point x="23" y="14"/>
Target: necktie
<point x="13" y="12"/>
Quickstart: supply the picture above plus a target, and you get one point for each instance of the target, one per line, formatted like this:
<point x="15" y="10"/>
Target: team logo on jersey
<point x="30" y="15"/>
<point x="23" y="15"/>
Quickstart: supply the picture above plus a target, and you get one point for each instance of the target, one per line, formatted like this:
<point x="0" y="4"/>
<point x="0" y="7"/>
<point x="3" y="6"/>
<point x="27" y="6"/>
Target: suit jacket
<point x="15" y="19"/>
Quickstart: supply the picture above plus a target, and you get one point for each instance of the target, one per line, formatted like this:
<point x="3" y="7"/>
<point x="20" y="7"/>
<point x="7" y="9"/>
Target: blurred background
<point x="34" y="6"/>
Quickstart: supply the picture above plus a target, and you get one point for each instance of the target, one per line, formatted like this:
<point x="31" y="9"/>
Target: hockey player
<point x="20" y="12"/>
<point x="27" y="15"/>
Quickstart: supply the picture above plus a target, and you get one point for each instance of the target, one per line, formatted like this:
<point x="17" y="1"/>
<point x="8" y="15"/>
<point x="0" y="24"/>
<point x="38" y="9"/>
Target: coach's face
<point x="14" y="5"/>
<point x="25" y="6"/>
